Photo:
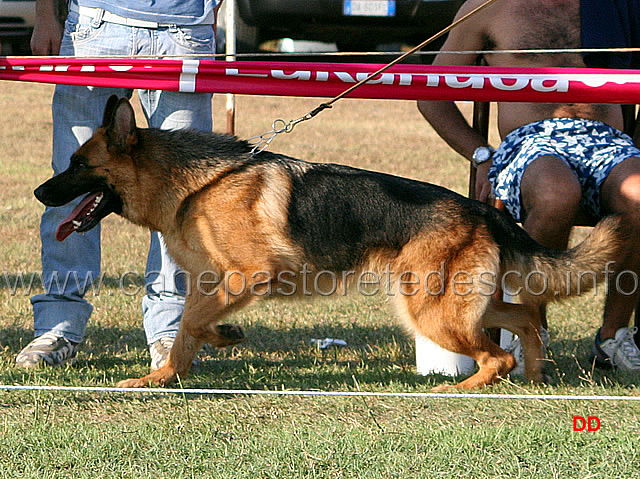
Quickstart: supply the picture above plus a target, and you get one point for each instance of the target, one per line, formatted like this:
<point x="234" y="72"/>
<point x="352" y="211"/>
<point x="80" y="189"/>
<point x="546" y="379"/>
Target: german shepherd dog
<point x="257" y="220"/>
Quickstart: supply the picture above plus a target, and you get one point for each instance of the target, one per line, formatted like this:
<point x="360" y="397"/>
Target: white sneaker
<point x="47" y="350"/>
<point x="159" y="351"/>
<point x="516" y="349"/>
<point x="620" y="352"/>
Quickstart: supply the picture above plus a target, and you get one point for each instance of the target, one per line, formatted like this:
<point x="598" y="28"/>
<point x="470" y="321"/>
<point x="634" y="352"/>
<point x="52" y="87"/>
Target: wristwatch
<point x="482" y="154"/>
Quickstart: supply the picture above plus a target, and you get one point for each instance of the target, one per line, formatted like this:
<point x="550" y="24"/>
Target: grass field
<point x="93" y="435"/>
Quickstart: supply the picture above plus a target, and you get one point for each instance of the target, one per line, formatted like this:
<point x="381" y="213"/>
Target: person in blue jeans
<point x="95" y="28"/>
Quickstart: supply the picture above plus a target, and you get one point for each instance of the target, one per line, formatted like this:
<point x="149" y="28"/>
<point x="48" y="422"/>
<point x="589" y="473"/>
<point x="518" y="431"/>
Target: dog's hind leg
<point x="493" y="362"/>
<point x="525" y="322"/>
<point x="455" y="323"/>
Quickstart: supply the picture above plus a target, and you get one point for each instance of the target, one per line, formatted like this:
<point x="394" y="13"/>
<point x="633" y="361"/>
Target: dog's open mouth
<point x="86" y="215"/>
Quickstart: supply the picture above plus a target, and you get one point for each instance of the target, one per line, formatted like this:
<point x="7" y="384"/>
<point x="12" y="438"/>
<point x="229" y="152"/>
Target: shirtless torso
<point x="519" y="25"/>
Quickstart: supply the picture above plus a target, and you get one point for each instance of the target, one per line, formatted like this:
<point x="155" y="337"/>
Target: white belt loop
<point x="97" y="19"/>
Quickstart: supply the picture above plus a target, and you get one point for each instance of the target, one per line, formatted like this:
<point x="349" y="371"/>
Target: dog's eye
<point x="79" y="163"/>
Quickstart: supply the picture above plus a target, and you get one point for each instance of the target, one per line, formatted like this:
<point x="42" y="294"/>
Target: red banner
<point x="407" y="82"/>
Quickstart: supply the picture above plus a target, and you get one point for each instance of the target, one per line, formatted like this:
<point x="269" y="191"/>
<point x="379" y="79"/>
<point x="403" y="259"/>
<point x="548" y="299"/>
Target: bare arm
<point x="447" y="120"/>
<point x="47" y="31"/>
<point x="444" y="116"/>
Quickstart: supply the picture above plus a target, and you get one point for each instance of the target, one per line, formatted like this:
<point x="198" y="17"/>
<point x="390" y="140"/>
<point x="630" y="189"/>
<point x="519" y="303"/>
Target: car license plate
<point x="370" y="8"/>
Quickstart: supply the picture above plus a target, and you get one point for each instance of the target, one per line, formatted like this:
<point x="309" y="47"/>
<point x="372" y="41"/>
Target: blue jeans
<point x="77" y="112"/>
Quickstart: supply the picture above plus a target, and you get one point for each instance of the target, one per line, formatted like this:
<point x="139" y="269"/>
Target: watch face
<point x="481" y="154"/>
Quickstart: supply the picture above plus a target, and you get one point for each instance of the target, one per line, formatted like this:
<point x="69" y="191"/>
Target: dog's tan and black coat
<point x="259" y="219"/>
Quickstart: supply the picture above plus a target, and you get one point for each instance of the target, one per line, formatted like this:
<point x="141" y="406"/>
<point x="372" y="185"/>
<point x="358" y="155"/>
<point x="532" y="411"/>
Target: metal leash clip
<point x="263" y="141"/>
<point x="280" y="126"/>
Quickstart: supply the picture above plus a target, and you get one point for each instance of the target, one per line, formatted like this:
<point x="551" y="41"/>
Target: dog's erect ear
<point x="109" y="109"/>
<point x="121" y="128"/>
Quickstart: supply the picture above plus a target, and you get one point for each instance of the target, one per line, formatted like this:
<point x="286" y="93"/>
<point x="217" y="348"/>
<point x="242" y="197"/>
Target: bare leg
<point x="551" y="200"/>
<point x="551" y="197"/>
<point x="620" y="193"/>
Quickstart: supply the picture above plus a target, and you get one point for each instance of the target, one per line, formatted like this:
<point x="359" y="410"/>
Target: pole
<point x="230" y="50"/>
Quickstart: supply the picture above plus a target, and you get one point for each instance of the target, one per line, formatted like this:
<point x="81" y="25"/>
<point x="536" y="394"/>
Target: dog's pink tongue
<point x="66" y="227"/>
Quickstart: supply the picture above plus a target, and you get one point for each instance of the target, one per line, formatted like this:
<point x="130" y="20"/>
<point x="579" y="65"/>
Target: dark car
<point x="16" y="24"/>
<point x="354" y="25"/>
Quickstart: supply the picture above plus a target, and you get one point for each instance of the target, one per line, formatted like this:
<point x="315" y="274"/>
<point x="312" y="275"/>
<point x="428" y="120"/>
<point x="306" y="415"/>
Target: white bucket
<point x="432" y="359"/>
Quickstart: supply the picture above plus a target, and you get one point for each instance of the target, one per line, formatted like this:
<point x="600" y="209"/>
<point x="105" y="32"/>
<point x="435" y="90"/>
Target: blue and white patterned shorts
<point x="590" y="148"/>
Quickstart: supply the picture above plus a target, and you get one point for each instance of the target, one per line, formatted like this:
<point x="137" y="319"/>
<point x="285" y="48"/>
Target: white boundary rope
<point x="266" y="54"/>
<point x="347" y="394"/>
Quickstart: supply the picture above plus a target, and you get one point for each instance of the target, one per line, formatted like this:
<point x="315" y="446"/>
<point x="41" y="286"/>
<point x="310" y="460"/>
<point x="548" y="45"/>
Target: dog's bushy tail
<point x="546" y="275"/>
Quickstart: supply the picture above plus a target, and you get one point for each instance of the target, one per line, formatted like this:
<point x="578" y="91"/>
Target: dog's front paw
<point x="134" y="383"/>
<point x="160" y="377"/>
<point x="443" y="388"/>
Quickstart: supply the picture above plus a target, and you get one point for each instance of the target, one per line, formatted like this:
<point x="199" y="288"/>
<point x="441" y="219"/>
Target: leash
<point x="280" y="126"/>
